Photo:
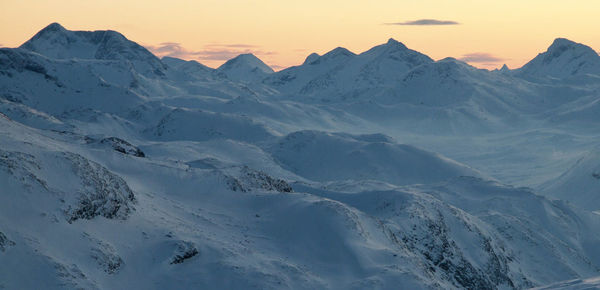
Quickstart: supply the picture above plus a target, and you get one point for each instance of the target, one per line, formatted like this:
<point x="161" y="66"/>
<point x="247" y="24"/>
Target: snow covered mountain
<point x="55" y="41"/>
<point x="190" y="67"/>
<point x="342" y="74"/>
<point x="563" y="59"/>
<point x="245" y="67"/>
<point x="350" y="171"/>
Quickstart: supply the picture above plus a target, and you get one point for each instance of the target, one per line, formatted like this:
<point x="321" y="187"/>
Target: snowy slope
<point x="197" y="125"/>
<point x="58" y="86"/>
<point x="576" y="284"/>
<point x="218" y="227"/>
<point x="323" y="156"/>
<point x="580" y="184"/>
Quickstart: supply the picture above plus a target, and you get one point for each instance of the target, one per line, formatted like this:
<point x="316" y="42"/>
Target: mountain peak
<point x="53" y="27"/>
<point x="338" y="51"/>
<point x="245" y="67"/>
<point x="246" y="61"/>
<point x="52" y="31"/>
<point x="560" y="45"/>
<point x="564" y="58"/>
<point x="393" y="42"/>
<point x="562" y="42"/>
<point x="246" y="55"/>
<point x="55" y="41"/>
<point x="311" y="57"/>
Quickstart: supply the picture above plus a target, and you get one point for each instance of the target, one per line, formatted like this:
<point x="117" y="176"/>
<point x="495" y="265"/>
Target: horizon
<point x="469" y="59"/>
<point x="485" y="35"/>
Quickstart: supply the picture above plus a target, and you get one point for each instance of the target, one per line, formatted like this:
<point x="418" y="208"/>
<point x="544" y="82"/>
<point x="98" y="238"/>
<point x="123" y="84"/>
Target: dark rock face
<point x="5" y="242"/>
<point x="250" y="179"/>
<point x="185" y="251"/>
<point x="104" y="193"/>
<point x="122" y="146"/>
<point x="431" y="238"/>
<point x="100" y="192"/>
<point x="22" y="165"/>
<point x="107" y="260"/>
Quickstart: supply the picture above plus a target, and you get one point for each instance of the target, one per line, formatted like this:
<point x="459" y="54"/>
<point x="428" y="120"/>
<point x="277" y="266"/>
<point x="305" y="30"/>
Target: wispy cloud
<point x="172" y="49"/>
<point x="481" y="57"/>
<point x="234" y="45"/>
<point x="425" y="22"/>
<point x="210" y="52"/>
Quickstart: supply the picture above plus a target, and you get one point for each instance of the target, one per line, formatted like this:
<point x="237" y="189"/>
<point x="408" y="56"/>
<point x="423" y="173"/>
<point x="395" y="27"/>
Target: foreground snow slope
<point x="122" y="170"/>
<point x="205" y="222"/>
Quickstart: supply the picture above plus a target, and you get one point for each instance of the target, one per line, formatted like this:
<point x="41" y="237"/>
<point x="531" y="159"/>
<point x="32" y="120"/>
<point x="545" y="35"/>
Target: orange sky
<point x="284" y="32"/>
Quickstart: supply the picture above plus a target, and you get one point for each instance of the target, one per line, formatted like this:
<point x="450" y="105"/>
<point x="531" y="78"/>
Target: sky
<point x="484" y="33"/>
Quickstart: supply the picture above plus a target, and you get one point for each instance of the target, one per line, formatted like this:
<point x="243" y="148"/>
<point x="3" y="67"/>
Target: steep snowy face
<point x="323" y="156"/>
<point x="57" y="86"/>
<point x="563" y="59"/>
<point x="55" y="41"/>
<point x="245" y="67"/>
<point x="531" y="225"/>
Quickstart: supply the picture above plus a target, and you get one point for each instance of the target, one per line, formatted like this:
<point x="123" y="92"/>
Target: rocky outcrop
<point x="250" y="179"/>
<point x="107" y="259"/>
<point x="118" y="145"/>
<point x="103" y="193"/>
<point x="184" y="251"/>
<point x="5" y="243"/>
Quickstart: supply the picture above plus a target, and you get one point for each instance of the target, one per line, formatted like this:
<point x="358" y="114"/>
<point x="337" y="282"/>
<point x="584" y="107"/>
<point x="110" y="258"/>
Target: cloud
<point x="481" y="57"/>
<point x="425" y="22"/>
<point x="210" y="52"/>
<point x="172" y="49"/>
<point x="235" y="45"/>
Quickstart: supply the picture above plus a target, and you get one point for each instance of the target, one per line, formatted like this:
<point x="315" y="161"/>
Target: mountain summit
<point x="564" y="58"/>
<point x="245" y="67"/>
<point x="340" y="73"/>
<point x="54" y="41"/>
